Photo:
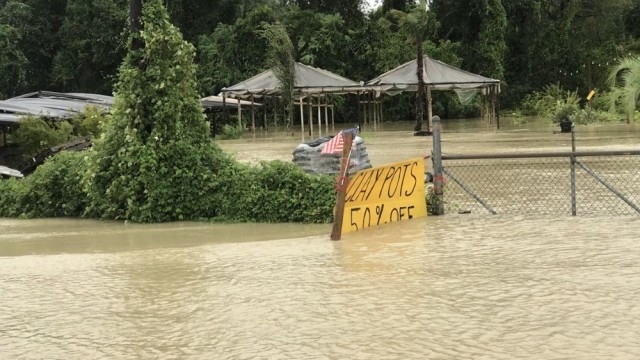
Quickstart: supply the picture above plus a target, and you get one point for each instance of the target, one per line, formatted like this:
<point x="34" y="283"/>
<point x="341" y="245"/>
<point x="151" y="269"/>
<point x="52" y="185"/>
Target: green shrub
<point x="287" y="193"/>
<point x="53" y="190"/>
<point x="274" y="192"/>
<point x="564" y="111"/>
<point x="549" y="102"/>
<point x="35" y="134"/>
<point x="8" y="197"/>
<point x="90" y="121"/>
<point x="231" y="132"/>
<point x="589" y="116"/>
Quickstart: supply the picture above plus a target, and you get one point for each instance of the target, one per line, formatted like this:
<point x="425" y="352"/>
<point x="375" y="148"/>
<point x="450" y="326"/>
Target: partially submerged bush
<point x="274" y="192"/>
<point x="231" y="132"/>
<point x="564" y="111"/>
<point x="51" y="191"/>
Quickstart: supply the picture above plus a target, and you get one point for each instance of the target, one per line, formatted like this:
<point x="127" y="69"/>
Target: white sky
<point x="372" y="4"/>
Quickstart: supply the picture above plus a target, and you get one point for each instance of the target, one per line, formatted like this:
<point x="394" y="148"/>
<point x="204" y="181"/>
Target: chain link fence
<point x="582" y="183"/>
<point x="603" y="184"/>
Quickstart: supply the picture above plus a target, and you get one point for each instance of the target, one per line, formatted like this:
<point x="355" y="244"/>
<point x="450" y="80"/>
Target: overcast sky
<point x="372" y="4"/>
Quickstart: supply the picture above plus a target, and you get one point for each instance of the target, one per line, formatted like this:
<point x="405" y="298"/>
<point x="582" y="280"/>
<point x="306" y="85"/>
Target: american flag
<point x="336" y="144"/>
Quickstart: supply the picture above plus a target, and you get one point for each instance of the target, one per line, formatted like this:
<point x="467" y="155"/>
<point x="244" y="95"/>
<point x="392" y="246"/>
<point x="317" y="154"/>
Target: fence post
<point x="573" y="170"/>
<point x="438" y="178"/>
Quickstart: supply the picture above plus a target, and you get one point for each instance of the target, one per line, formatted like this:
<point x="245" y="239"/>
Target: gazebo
<point x="437" y="76"/>
<point x="309" y="82"/>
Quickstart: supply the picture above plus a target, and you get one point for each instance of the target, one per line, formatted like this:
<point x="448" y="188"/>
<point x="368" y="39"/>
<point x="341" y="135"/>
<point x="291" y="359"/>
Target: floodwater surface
<point x="454" y="287"/>
<point x="450" y="287"/>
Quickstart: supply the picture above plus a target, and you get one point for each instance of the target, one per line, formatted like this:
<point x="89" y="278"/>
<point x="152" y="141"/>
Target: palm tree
<point x="624" y="81"/>
<point x="416" y="25"/>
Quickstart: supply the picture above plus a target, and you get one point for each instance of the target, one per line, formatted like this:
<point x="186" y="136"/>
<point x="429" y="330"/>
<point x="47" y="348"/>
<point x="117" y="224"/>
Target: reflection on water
<point x="488" y="287"/>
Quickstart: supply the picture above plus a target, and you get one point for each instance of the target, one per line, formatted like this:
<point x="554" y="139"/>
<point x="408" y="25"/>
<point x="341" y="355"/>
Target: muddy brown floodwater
<point x="451" y="287"/>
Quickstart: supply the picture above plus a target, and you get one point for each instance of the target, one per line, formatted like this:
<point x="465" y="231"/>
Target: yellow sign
<point x="590" y="95"/>
<point x="385" y="194"/>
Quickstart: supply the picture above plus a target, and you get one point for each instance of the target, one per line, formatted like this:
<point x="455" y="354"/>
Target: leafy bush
<point x="287" y="193"/>
<point x="51" y="191"/>
<point x="90" y="121"/>
<point x="274" y="192"/>
<point x="547" y="102"/>
<point x="564" y="112"/>
<point x="35" y="134"/>
<point x="231" y="132"/>
<point x="588" y="116"/>
<point x="8" y="197"/>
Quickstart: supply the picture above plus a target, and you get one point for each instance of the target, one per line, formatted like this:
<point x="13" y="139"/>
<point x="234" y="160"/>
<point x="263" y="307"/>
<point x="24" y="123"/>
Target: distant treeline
<point x="78" y="45"/>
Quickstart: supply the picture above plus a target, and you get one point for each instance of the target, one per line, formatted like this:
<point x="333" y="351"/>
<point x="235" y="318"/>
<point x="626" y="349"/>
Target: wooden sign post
<point x="342" y="183"/>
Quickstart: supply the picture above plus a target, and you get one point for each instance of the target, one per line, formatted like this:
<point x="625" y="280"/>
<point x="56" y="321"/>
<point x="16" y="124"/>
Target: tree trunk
<point x="135" y="14"/>
<point x="420" y="94"/>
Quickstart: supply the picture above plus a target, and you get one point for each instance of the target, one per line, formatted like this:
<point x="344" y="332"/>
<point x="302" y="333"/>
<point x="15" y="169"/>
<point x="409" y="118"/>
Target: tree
<point x="155" y="161"/>
<point x="280" y="59"/>
<point x="13" y="62"/>
<point x="349" y="10"/>
<point x="233" y="52"/>
<point x="92" y="45"/>
<point x="416" y="25"/>
<point x="400" y="5"/>
<point x="490" y="49"/>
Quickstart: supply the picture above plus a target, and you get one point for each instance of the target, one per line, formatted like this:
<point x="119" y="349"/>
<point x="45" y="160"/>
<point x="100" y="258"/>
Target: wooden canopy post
<point x="275" y="113"/>
<point x="224" y="107"/>
<point x="429" y="108"/>
<point x="326" y="114"/>
<point x="319" y="119"/>
<point x="310" y="110"/>
<point x="358" y="112"/>
<point x="302" y="117"/>
<point x="239" y="113"/>
<point x="264" y="112"/>
<point x="253" y="117"/>
<point x="374" y="112"/>
<point x="333" y="124"/>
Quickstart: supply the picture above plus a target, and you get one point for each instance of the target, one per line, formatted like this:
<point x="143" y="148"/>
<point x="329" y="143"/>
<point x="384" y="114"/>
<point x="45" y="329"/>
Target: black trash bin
<point x="565" y="126"/>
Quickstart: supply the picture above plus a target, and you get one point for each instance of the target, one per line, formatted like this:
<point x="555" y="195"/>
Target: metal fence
<point x="559" y="183"/>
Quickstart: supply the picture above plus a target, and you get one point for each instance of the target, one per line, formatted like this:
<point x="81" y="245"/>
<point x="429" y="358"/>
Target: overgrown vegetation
<point x="230" y="132"/>
<point x="558" y="105"/>
<point x="51" y="191"/>
<point x="155" y="160"/>
<point x="36" y="133"/>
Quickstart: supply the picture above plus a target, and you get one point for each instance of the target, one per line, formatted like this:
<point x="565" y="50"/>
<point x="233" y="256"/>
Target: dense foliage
<point x="51" y="191"/>
<point x="76" y="45"/>
<point x="154" y="160"/>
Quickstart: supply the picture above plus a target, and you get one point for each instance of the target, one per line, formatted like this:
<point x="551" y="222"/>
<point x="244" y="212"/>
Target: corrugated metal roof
<point x="50" y="104"/>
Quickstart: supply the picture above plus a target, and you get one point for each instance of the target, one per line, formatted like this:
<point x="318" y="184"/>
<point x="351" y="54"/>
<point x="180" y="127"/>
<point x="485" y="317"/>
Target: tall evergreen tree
<point x="280" y="59"/>
<point x="155" y="161"/>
